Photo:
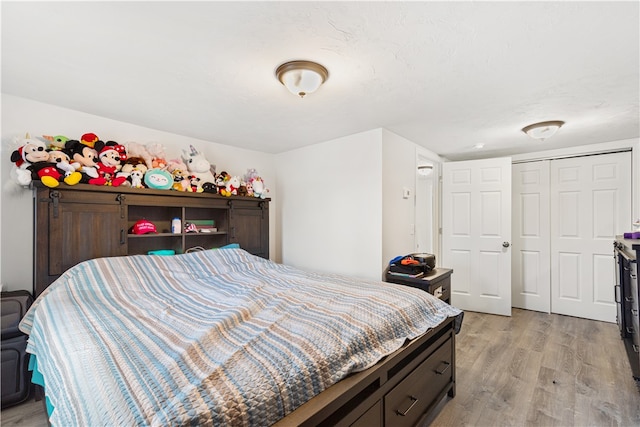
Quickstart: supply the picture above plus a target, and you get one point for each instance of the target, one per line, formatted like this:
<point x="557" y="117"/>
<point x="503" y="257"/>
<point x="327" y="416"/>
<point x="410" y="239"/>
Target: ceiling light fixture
<point x="425" y="170"/>
<point x="302" y="77"/>
<point x="543" y="130"/>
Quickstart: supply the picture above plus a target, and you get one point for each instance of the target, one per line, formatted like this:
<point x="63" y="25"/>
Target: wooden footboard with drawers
<point x="401" y="390"/>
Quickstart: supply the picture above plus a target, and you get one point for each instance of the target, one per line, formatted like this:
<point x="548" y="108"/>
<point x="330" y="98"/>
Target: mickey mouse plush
<point x="33" y="157"/>
<point x="86" y="159"/>
<point x="63" y="163"/>
<point x="110" y="162"/>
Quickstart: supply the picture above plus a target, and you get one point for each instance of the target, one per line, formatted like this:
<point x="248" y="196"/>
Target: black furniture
<point x="16" y="379"/>
<point x="437" y="282"/>
<point x="627" y="252"/>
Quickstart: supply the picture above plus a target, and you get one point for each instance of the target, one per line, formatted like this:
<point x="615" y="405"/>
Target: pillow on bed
<point x="230" y="246"/>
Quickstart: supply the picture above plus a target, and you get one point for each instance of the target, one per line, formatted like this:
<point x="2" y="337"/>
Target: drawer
<point x="371" y="418"/>
<point x="635" y="328"/>
<point x="633" y="287"/>
<point x="440" y="291"/>
<point x="405" y="404"/>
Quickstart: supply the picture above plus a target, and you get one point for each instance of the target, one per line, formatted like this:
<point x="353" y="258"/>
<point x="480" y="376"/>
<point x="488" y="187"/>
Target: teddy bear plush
<point x="180" y="180"/>
<point x="110" y="162"/>
<point x="85" y="159"/>
<point x="178" y="169"/>
<point x="242" y="190"/>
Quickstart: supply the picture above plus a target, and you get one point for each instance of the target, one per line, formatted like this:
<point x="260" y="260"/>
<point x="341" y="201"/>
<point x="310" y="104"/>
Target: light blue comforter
<point x="216" y="337"/>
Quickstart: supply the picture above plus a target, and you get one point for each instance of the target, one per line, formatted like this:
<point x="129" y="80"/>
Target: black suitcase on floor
<point x="16" y="378"/>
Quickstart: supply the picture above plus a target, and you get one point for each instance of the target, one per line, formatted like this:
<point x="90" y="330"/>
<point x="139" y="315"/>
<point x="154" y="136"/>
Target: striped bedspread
<point x="218" y="337"/>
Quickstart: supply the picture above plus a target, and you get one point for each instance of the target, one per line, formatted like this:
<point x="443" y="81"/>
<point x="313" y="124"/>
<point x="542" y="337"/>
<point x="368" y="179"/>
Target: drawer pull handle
<point x="447" y="365"/>
<point x="628" y="299"/>
<point x="630" y="330"/>
<point x="414" y="400"/>
<point x="634" y="312"/>
<point x="636" y="348"/>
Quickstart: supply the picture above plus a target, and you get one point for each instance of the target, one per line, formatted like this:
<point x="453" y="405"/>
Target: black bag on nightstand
<point x="413" y="264"/>
<point x="16" y="378"/>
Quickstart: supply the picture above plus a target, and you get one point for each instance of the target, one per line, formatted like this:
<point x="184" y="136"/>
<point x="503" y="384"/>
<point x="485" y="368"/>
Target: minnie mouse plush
<point x="110" y="162"/>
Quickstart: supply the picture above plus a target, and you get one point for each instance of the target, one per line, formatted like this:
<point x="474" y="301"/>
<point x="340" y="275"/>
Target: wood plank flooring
<point x="531" y="369"/>
<point x="536" y="369"/>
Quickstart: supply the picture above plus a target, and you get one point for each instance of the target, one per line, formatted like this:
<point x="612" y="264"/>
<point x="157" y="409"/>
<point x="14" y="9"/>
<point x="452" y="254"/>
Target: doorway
<point x="425" y="209"/>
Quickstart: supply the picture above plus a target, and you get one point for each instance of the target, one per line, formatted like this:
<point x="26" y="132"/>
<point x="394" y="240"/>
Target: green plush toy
<point x="158" y="179"/>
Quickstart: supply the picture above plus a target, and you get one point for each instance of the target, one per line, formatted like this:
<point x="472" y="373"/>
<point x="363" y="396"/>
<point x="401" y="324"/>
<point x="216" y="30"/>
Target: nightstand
<point x="437" y="282"/>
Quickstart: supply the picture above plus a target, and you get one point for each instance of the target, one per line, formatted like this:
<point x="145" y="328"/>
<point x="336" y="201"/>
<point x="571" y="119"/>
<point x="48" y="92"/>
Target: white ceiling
<point x="446" y="75"/>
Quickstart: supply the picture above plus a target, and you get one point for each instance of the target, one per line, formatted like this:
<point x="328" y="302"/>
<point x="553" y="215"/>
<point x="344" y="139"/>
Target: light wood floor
<point x="535" y="369"/>
<point x="531" y="369"/>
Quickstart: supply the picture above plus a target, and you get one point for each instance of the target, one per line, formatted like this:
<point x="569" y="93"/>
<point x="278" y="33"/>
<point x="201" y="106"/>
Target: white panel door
<point x="476" y="233"/>
<point x="530" y="260"/>
<point x="590" y="205"/>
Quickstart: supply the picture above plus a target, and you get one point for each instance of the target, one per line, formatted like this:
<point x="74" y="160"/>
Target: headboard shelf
<point x="80" y="222"/>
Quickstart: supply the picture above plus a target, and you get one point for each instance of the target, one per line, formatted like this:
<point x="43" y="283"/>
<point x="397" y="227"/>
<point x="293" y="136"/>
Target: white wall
<point x="342" y="206"/>
<point x="399" y="213"/>
<point x="331" y="205"/>
<point x="20" y="115"/>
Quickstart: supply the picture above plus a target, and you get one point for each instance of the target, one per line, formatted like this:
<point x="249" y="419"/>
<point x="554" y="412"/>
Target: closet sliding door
<point x="590" y="205"/>
<point x="566" y="214"/>
<point x="531" y="271"/>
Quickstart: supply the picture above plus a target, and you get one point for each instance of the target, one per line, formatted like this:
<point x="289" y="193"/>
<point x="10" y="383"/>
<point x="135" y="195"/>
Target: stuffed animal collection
<point x="90" y="160"/>
<point x="33" y="162"/>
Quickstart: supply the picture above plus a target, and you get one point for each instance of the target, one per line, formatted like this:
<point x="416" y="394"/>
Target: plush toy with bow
<point x="110" y="162"/>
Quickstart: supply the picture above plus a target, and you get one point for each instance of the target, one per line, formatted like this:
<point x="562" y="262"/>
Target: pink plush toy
<point x="140" y="150"/>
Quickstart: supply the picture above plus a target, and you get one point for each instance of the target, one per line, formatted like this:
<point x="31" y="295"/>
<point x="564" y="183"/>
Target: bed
<point x="222" y="337"/>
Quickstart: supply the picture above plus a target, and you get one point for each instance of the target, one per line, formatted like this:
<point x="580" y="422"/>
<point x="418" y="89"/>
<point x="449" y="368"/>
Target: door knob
<point x="505" y="244"/>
